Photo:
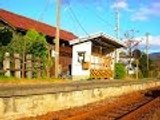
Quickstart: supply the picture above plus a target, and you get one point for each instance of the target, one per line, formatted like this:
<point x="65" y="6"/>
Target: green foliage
<point x="38" y="49"/>
<point x="32" y="35"/>
<point x="143" y="65"/>
<point x="17" y="44"/>
<point x="36" y="44"/>
<point x="31" y="43"/>
<point x="5" y="36"/>
<point x="120" y="71"/>
<point x="2" y="51"/>
<point x="5" y="39"/>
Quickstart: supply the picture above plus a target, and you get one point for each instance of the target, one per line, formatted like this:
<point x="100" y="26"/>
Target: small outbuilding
<point x="94" y="56"/>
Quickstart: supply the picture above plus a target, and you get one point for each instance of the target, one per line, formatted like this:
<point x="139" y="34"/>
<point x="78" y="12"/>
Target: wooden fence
<point x="21" y="67"/>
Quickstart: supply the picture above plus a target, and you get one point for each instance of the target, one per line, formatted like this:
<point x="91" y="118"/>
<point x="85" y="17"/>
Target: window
<point x="81" y="56"/>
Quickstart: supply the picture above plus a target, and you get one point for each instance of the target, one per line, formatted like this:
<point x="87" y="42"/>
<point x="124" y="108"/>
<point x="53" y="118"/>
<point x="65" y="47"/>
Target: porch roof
<point x="100" y="39"/>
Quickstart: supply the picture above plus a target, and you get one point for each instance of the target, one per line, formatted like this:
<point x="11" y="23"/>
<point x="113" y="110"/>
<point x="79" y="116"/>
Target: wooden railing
<point x="101" y="73"/>
<point x="102" y="69"/>
<point x="18" y="67"/>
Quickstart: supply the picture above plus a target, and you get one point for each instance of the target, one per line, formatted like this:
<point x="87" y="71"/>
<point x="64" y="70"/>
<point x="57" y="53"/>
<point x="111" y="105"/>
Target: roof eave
<point x="91" y="37"/>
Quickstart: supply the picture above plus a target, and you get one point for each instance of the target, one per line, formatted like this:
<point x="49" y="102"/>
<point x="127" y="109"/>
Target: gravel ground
<point x="94" y="109"/>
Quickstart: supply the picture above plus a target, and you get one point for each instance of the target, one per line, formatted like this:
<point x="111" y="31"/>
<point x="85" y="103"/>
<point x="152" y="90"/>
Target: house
<point x="87" y="57"/>
<point x="94" y="56"/>
<point x="21" y="24"/>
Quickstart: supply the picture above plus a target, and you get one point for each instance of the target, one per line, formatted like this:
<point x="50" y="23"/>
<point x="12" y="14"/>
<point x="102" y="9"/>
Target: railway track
<point x="138" y="109"/>
<point x="143" y="112"/>
<point x="135" y="106"/>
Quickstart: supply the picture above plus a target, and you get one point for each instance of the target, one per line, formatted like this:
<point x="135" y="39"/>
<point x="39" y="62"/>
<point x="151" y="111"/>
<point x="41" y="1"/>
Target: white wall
<point x="77" y="70"/>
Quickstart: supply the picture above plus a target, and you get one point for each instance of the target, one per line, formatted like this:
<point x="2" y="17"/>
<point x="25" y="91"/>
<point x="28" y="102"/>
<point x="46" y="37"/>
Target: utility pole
<point x="137" y="71"/>
<point x="147" y="47"/>
<point x="117" y="32"/>
<point x="117" y="36"/>
<point x="58" y="7"/>
<point x="117" y="22"/>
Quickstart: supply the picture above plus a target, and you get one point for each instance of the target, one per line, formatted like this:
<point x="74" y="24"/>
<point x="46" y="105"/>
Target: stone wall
<point x="18" y="106"/>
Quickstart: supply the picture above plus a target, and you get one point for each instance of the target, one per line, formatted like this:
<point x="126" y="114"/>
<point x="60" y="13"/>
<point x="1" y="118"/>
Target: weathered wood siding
<point x="65" y="59"/>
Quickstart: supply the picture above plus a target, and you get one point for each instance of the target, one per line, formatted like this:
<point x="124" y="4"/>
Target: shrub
<point x="120" y="71"/>
<point x="5" y="36"/>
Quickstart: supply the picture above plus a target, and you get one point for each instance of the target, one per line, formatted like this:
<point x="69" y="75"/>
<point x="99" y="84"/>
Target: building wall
<point x="97" y="61"/>
<point x="77" y="71"/>
<point x="113" y="54"/>
<point x="65" y="59"/>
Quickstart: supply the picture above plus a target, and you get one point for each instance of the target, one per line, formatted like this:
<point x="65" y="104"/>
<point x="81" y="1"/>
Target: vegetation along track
<point x="135" y="106"/>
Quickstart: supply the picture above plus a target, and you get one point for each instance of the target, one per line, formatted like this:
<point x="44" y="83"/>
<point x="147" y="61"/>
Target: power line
<point x="147" y="44"/>
<point x="99" y="17"/>
<point x="96" y="14"/>
<point x="117" y="22"/>
<point x="76" y="19"/>
<point x="41" y="17"/>
<point x="73" y="20"/>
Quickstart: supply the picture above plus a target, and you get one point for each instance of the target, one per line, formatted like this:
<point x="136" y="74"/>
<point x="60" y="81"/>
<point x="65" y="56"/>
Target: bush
<point x="5" y="36"/>
<point x="32" y="43"/>
<point x="120" y="71"/>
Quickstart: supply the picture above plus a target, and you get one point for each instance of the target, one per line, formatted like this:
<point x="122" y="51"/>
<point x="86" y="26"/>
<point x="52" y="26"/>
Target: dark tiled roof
<point x="24" y="23"/>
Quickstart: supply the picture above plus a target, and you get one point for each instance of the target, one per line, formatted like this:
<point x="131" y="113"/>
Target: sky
<point x="83" y="17"/>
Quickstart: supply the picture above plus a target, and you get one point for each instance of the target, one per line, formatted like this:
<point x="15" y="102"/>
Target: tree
<point x="32" y="43"/>
<point x="17" y="44"/>
<point x="38" y="49"/>
<point x="155" y="68"/>
<point x="143" y="65"/>
<point x="5" y="36"/>
<point x="36" y="44"/>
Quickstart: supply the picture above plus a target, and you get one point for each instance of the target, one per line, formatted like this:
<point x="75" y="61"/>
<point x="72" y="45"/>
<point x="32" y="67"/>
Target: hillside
<point x="154" y="56"/>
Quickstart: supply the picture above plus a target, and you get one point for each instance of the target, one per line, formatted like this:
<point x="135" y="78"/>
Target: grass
<point x="13" y="80"/>
<point x="19" y="81"/>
